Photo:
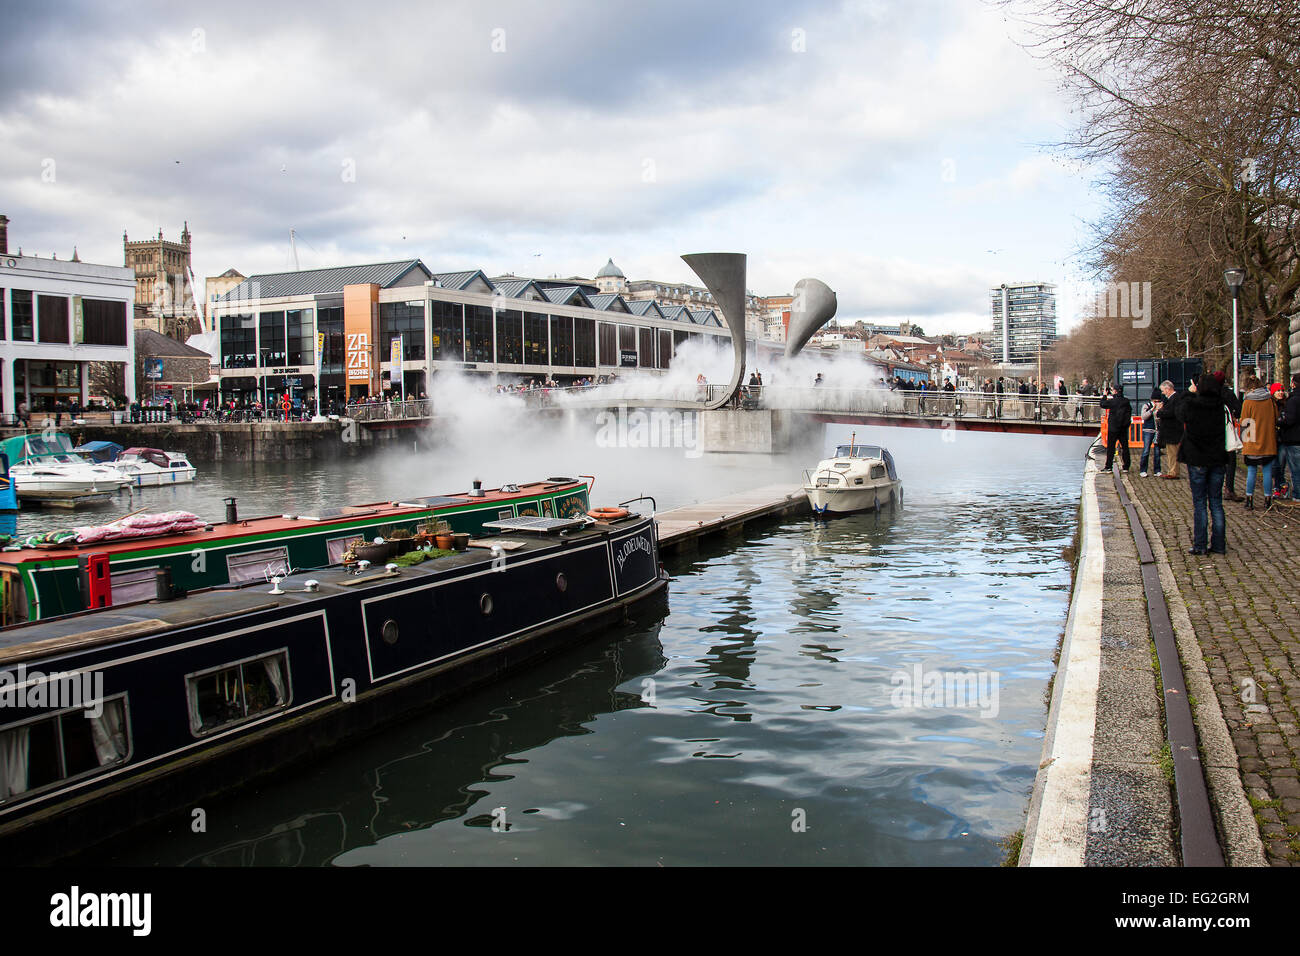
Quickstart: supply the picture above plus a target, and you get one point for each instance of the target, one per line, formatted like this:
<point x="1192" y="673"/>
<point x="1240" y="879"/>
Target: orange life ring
<point x="608" y="514"/>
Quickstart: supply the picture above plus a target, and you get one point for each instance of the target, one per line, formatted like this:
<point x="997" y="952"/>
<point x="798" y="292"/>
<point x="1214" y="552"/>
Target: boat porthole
<point x="389" y="631"/>
<point x="485" y="603"/>
<point x="561" y="582"/>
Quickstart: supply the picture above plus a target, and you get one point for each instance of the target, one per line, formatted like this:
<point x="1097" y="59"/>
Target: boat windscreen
<point x="868" y="451"/>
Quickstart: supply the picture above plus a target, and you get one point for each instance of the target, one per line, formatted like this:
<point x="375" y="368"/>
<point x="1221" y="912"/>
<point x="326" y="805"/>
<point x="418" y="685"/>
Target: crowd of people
<point x="1204" y="428"/>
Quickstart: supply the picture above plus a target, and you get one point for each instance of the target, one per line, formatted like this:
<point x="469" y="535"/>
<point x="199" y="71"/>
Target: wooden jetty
<point x="683" y="527"/>
<point x="64" y="499"/>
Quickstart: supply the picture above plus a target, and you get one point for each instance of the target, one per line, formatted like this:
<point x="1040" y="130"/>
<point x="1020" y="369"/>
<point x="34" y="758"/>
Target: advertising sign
<point x="395" y="357"/>
<point x="153" y="368"/>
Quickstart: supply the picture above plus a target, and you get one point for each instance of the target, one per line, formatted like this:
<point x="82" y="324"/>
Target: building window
<point x="535" y="339"/>
<point x="238" y="341"/>
<point x="562" y="340"/>
<point x="608" y="335"/>
<point x="448" y="325"/>
<point x="103" y="322"/>
<point x="665" y="347"/>
<point x="41" y="754"/>
<point x="330" y="324"/>
<point x="271" y="338"/>
<point x="407" y="320"/>
<point x="510" y="337"/>
<point x="478" y="333"/>
<point x="22" y="315"/>
<point x="238" y="692"/>
<point x="584" y="343"/>
<point x="646" y="344"/>
<point x="302" y="338"/>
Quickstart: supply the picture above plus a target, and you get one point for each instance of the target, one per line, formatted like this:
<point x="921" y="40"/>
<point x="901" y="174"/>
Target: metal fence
<point x="389" y="411"/>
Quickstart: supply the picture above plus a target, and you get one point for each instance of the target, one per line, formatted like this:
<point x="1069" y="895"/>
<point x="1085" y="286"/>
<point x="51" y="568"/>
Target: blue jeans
<point x="1149" y="444"/>
<point x="1267" y="470"/>
<point x="1293" y="462"/>
<point x="1207" y="490"/>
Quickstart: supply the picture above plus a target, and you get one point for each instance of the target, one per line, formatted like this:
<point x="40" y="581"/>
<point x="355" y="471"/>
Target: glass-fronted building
<point x="328" y="334"/>
<point x="1030" y="308"/>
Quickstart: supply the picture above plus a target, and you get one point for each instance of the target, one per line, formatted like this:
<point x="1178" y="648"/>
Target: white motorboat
<point x="149" y="467"/>
<point x="858" y="478"/>
<point x="65" y="473"/>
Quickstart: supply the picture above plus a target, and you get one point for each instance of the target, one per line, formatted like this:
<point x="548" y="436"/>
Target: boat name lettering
<point x="630" y="547"/>
<point x="59" y="690"/>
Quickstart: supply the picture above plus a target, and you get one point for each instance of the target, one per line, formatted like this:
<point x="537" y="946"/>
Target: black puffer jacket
<point x="1119" y="412"/>
<point x="1204" y="423"/>
<point x="1288" y="426"/>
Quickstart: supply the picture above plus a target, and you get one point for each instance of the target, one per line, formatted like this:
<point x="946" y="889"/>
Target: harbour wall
<point x="256" y="441"/>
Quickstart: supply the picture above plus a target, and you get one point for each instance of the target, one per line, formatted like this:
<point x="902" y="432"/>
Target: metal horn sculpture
<point x="814" y="304"/>
<point x="723" y="274"/>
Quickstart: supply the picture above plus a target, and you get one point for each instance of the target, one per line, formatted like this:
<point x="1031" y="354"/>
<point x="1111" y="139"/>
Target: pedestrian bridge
<point x="965" y="411"/>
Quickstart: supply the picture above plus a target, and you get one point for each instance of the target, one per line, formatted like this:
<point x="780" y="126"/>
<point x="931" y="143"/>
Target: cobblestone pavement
<point x="1245" y="609"/>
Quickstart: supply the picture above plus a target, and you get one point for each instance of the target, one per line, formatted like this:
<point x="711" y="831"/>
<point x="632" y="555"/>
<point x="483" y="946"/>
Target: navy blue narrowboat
<point x="115" y="716"/>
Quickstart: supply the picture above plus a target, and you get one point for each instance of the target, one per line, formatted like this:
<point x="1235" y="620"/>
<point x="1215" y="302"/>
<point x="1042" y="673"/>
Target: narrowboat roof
<point x="84" y="629"/>
<point x="272" y="526"/>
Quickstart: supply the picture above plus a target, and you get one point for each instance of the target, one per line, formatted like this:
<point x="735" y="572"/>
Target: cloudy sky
<point x="900" y="151"/>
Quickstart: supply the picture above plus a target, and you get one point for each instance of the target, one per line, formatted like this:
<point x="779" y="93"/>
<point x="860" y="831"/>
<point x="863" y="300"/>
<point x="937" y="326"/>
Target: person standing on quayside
<point x="1169" y="430"/>
<point x="1233" y="403"/>
<point x="1203" y="451"/>
<point x="1119" y="411"/>
<point x="1149" y="434"/>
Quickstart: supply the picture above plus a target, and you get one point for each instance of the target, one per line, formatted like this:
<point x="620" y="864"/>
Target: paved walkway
<point x="1244" y="608"/>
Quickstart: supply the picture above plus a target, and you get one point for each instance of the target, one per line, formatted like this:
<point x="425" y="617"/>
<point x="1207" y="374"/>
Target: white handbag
<point x="1231" y="438"/>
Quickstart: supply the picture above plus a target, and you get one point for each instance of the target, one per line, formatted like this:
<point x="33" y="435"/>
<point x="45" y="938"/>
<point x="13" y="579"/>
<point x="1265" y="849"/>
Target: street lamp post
<point x="1234" y="277"/>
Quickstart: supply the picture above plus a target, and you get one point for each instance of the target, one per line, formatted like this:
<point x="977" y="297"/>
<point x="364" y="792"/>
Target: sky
<point x="902" y="152"/>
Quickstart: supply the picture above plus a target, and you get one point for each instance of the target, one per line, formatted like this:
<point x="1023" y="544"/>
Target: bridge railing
<point x="389" y="411"/>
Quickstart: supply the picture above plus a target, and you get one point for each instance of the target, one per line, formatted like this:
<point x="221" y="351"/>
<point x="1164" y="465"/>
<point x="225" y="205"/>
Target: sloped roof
<point x="149" y="342"/>
<point x="704" y="317"/>
<point x="514" y="288"/>
<point x="608" y="302"/>
<point x="565" y="294"/>
<point x="645" y="307"/>
<point x="329" y="281"/>
<point x="460" y="280"/>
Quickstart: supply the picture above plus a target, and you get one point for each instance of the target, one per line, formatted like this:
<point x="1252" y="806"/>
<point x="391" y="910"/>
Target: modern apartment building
<point x="1029" y="328"/>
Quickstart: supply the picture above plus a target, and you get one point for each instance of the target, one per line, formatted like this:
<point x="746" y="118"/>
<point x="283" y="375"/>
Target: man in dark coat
<point x="1203" y="451"/>
<point x="1169" y="430"/>
<point x="1231" y="401"/>
<point x="1119" y="411"/>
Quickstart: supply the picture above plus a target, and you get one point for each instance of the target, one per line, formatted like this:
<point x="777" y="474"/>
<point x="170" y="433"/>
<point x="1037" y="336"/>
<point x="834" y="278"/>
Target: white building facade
<point x="56" y="318"/>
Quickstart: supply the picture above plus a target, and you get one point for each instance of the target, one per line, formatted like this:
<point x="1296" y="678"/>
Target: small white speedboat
<point x="150" y="467"/>
<point x="64" y="473"/>
<point x="858" y="478"/>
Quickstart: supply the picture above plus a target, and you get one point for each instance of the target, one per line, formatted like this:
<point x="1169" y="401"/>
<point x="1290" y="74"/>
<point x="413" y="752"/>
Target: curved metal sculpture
<point x="814" y="304"/>
<point x="723" y="274"/>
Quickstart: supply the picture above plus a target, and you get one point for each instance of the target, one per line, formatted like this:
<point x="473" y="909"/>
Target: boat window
<point x="505" y="513"/>
<point x="138" y="584"/>
<point x="877" y="471"/>
<point x="178" y="464"/>
<point x="237" y="692"/>
<point x="40" y="754"/>
<point x="257" y="565"/>
<point x="336" y="546"/>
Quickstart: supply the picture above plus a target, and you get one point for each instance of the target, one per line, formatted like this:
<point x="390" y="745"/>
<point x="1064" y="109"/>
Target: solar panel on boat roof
<point x="535" y="524"/>
<point x="433" y="501"/>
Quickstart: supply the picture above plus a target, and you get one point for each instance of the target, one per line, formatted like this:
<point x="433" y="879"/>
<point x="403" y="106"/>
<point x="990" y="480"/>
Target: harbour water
<point x="865" y="691"/>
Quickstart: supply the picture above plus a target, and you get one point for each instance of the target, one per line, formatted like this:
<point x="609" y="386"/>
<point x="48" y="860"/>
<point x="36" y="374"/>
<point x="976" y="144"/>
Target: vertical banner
<point x="395" y="376"/>
<point x="78" y="320"/>
<point x="359" y="304"/>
